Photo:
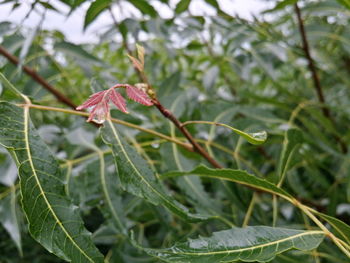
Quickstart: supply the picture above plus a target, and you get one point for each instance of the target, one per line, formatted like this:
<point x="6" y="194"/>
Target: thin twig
<point x="315" y="77"/>
<point x="121" y="122"/>
<point x="199" y="149"/>
<point x="35" y="76"/>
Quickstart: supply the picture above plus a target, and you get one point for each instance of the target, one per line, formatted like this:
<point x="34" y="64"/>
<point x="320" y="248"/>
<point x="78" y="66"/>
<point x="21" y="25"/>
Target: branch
<point x="167" y="113"/>
<point x="186" y="146"/>
<point x="35" y="76"/>
<point x="315" y="77"/>
<point x="199" y="149"/>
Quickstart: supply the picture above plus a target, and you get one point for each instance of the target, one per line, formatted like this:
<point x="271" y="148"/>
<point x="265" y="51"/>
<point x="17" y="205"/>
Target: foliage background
<point x="252" y="75"/>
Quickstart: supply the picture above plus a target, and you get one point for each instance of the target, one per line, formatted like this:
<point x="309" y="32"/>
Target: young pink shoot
<point x="98" y="103"/>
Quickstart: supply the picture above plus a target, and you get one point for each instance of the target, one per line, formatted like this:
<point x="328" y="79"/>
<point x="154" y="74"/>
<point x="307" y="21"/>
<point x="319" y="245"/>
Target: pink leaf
<point x="118" y="100"/>
<point x="138" y="95"/>
<point x="101" y="111"/>
<point x="93" y="100"/>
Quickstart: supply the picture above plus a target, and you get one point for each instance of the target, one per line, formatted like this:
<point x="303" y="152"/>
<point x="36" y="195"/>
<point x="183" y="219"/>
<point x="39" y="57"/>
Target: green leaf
<point x="112" y="208"/>
<point x="95" y="9"/>
<point x="182" y="6"/>
<point x="345" y="3"/>
<point x="144" y="7"/>
<point x="9" y="219"/>
<point x="237" y="176"/>
<point x="341" y="228"/>
<point x="293" y="138"/>
<point x="213" y="3"/>
<point x="253" y="138"/>
<point x="53" y="220"/>
<point x="138" y="178"/>
<point x="281" y="5"/>
<point x="76" y="51"/>
<point x="254" y="243"/>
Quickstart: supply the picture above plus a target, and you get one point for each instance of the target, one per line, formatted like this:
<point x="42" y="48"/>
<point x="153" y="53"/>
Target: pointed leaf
<point x="118" y="100"/>
<point x="144" y="7"/>
<point x="76" y="51"/>
<point x="92" y="100"/>
<point x="254" y="243"/>
<point x="94" y="10"/>
<point x="138" y="178"/>
<point x="106" y="184"/>
<point x="141" y="54"/>
<point x="137" y="64"/>
<point x="182" y="6"/>
<point x="53" y="220"/>
<point x="237" y="176"/>
<point x="253" y="138"/>
<point x="292" y="140"/>
<point x="213" y="3"/>
<point x="341" y="228"/>
<point x="138" y="95"/>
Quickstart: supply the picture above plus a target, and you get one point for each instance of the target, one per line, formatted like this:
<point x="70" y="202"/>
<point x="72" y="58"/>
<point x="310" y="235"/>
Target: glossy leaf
<point x="53" y="220"/>
<point x="138" y="178"/>
<point x="253" y="138"/>
<point x="254" y="243"/>
<point x="237" y="176"/>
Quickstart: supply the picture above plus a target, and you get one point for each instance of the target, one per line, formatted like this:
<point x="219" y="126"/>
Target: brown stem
<point x="35" y="76"/>
<point x="315" y="77"/>
<point x="167" y="113"/>
<point x="199" y="149"/>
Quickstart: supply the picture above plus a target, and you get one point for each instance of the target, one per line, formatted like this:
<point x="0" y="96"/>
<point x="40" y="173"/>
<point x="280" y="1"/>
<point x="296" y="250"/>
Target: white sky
<point x="72" y="26"/>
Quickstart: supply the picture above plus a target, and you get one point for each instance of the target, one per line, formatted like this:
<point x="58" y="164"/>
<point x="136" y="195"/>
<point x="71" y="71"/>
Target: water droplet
<point x="155" y="145"/>
<point x="99" y="121"/>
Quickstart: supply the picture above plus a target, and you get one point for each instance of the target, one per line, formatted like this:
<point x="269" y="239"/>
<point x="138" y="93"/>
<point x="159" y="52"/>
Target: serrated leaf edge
<point x="26" y="134"/>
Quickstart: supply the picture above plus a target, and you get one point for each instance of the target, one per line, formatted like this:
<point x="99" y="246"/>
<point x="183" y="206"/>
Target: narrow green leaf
<point x="144" y="7"/>
<point x="53" y="220"/>
<point x="8" y="85"/>
<point x="94" y="10"/>
<point x="9" y="219"/>
<point x="213" y="3"/>
<point x="237" y="176"/>
<point x="253" y="138"/>
<point x="112" y="208"/>
<point x="182" y="6"/>
<point x="138" y="178"/>
<point x="341" y="228"/>
<point x="254" y="243"/>
<point x="76" y="51"/>
<point x="293" y="138"/>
